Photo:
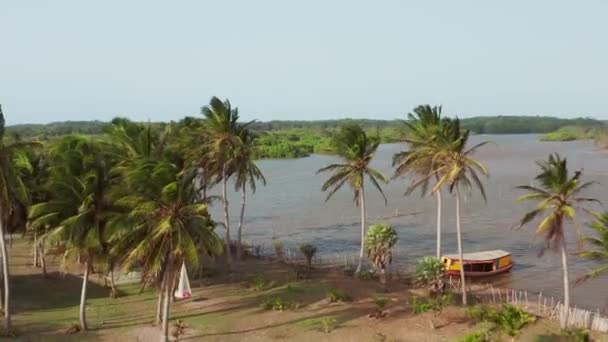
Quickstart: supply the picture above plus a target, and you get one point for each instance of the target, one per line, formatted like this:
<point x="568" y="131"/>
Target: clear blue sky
<point x="314" y="59"/>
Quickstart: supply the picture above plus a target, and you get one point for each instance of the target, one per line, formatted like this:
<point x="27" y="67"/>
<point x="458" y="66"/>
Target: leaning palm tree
<point x="455" y="168"/>
<point x="13" y="197"/>
<point x="246" y="173"/>
<point x="224" y="138"/>
<point x="357" y="151"/>
<point x="599" y="245"/>
<point x="558" y="198"/>
<point x="80" y="207"/>
<point x="168" y="228"/>
<point x="422" y="128"/>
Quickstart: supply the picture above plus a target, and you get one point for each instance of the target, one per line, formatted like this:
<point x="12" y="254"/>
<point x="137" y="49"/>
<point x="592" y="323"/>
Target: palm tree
<point x="423" y="128"/>
<point x="13" y="197"/>
<point x="357" y="150"/>
<point x="454" y="167"/>
<point x="599" y="243"/>
<point x="246" y="172"/>
<point x="167" y="229"/>
<point x="80" y="207"/>
<point x="224" y="140"/>
<point x="557" y="195"/>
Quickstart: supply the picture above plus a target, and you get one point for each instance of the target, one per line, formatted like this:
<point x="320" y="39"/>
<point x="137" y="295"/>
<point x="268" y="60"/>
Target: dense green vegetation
<point x="597" y="133"/>
<point x="295" y="139"/>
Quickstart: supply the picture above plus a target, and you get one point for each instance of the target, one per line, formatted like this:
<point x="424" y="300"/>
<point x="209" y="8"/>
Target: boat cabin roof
<point x="480" y="256"/>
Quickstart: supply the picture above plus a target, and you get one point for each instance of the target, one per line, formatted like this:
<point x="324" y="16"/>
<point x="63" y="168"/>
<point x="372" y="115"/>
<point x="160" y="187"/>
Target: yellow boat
<point x="478" y="264"/>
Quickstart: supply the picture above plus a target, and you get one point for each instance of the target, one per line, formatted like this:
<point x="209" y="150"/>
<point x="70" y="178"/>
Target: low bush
<point x="327" y="324"/>
<point x="309" y="252"/>
<point x="334" y="295"/>
<point x="420" y="306"/>
<point x="278" y="247"/>
<point x="368" y="275"/>
<point x="476" y="336"/>
<point x="430" y="273"/>
<point x="278" y="304"/>
<point x="509" y="319"/>
<point x="380" y="302"/>
<point x="577" y="335"/>
<point x="348" y="271"/>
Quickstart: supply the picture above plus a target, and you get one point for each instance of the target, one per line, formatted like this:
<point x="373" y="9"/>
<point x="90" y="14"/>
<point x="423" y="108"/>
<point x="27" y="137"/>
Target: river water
<point x="292" y="208"/>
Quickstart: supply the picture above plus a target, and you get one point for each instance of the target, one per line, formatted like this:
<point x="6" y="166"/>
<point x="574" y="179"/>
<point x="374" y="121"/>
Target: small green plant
<point x="348" y="271"/>
<point x="278" y="304"/>
<point x="379" y="242"/>
<point x="512" y="319"/>
<point x="441" y="302"/>
<point x="476" y="336"/>
<point x="327" y="324"/>
<point x="481" y="313"/>
<point x="420" y="306"/>
<point x="278" y="247"/>
<point x="380" y="302"/>
<point x="368" y="275"/>
<point x="258" y="283"/>
<point x="577" y="335"/>
<point x="309" y="252"/>
<point x="430" y="273"/>
<point x="334" y="295"/>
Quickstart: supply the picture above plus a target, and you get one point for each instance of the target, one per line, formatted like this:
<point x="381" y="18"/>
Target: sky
<point x="301" y="60"/>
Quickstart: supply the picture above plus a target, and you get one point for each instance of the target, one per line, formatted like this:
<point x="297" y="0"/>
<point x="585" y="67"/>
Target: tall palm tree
<point x="13" y="197"/>
<point x="357" y="151"/>
<point x="222" y="121"/>
<point x="167" y="229"/>
<point x="423" y="128"/>
<point x="80" y="207"/>
<point x="455" y="168"/>
<point x="557" y="195"/>
<point x="599" y="244"/>
<point x="246" y="173"/>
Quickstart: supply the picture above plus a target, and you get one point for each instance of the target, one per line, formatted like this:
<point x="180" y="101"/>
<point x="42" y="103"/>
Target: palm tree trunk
<point x="239" y="251"/>
<point x="438" y="196"/>
<point x="362" y="251"/>
<point x="113" y="291"/>
<point x="159" y="306"/>
<point x="459" y="237"/>
<point x="5" y="275"/>
<point x="83" y="297"/>
<point x="226" y="217"/>
<point x="164" y="337"/>
<point x="35" y="248"/>
<point x="564" y="314"/>
<point x="42" y="257"/>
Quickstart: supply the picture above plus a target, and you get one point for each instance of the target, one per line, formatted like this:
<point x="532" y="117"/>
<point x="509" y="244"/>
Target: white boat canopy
<point x="480" y="256"/>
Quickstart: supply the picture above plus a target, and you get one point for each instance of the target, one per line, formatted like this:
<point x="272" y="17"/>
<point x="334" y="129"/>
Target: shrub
<point x="379" y="242"/>
<point x="420" y="306"/>
<point x="309" y="252"/>
<point x="258" y="283"/>
<point x="327" y="324"/>
<point x="481" y="313"/>
<point x="278" y="247"/>
<point x="430" y="273"/>
<point x="334" y="295"/>
<point x="367" y="275"/>
<point x="512" y="319"/>
<point x="476" y="336"/>
<point x="179" y="329"/>
<point x="380" y="302"/>
<point x="577" y="335"/>
<point x="348" y="271"/>
<point x="509" y="319"/>
<point x="277" y="304"/>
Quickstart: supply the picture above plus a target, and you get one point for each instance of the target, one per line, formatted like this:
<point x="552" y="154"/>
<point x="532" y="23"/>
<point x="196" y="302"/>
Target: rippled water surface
<point x="292" y="208"/>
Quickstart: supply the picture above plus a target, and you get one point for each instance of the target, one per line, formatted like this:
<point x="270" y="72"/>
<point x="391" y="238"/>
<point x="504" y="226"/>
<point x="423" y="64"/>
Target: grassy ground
<point x="228" y="307"/>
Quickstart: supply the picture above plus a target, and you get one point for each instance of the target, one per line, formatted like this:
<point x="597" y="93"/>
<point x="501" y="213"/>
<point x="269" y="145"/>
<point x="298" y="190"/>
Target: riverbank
<point x="230" y="307"/>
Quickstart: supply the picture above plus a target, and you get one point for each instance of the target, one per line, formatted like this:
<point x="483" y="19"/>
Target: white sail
<point x="183" y="288"/>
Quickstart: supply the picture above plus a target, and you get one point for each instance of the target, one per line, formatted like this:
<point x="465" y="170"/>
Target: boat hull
<point x="456" y="273"/>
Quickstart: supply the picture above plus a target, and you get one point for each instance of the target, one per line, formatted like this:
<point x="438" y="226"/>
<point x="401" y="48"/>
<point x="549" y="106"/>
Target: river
<point x="292" y="208"/>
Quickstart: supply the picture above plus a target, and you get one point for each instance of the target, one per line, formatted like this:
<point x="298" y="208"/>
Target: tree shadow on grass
<point x="58" y="291"/>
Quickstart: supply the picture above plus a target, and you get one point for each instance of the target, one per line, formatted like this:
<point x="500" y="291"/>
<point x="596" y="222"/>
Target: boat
<point x="478" y="264"/>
